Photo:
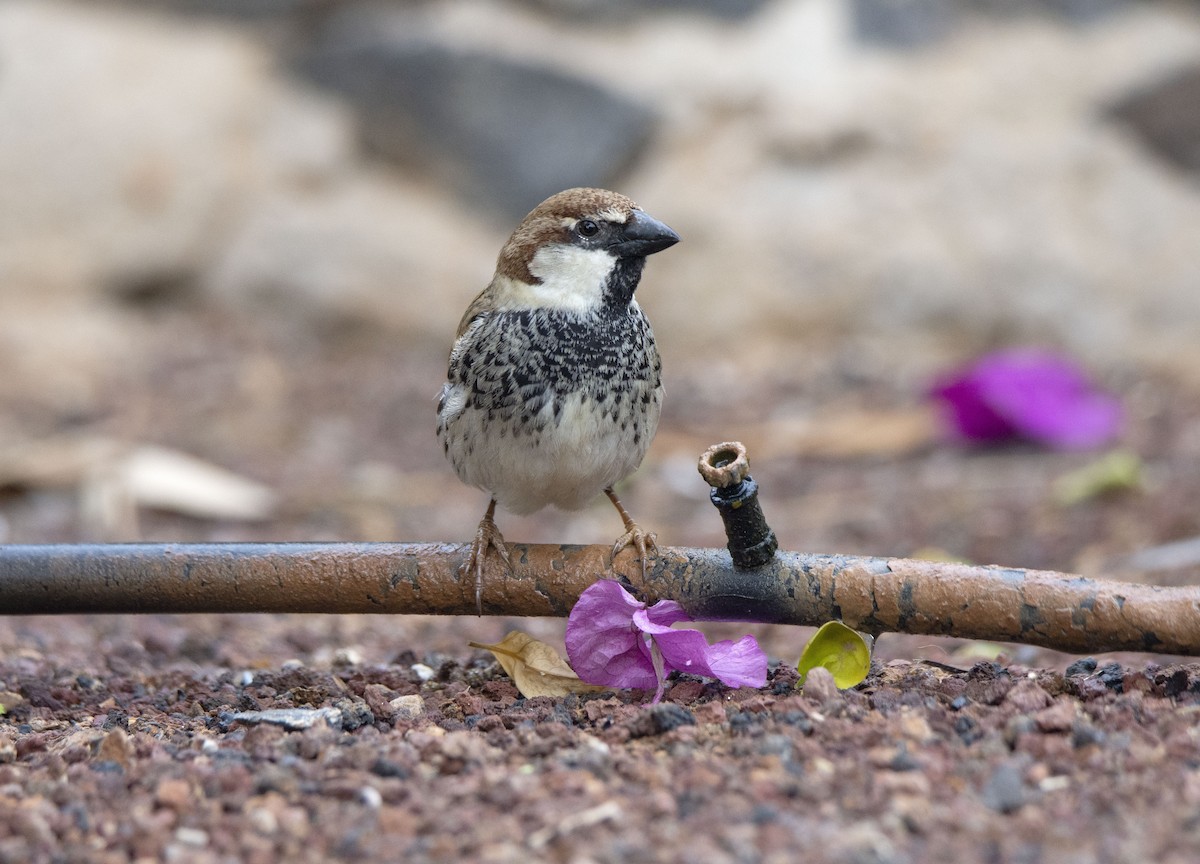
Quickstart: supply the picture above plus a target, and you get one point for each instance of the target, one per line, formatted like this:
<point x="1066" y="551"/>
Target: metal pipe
<point x="751" y="582"/>
<point x="875" y="595"/>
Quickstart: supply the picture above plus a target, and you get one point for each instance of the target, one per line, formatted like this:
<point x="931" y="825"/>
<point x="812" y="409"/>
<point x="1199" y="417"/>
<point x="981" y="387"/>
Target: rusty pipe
<point x="874" y="595"/>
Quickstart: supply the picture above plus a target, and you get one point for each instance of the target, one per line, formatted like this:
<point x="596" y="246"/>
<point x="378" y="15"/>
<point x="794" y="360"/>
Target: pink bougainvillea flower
<point x="614" y="640"/>
<point x="1026" y="393"/>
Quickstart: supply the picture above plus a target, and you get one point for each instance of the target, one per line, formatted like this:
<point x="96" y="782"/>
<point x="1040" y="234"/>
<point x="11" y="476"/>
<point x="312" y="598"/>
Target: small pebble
<point x="173" y="793"/>
<point x="1004" y="790"/>
<point x="408" y="707"/>
<point x="115" y="747"/>
<point x="819" y="686"/>
<point x="262" y="821"/>
<point x="1086" y="666"/>
<point x="193" y="837"/>
<point x="294" y="719"/>
<point x="347" y="657"/>
<point x="658" y="719"/>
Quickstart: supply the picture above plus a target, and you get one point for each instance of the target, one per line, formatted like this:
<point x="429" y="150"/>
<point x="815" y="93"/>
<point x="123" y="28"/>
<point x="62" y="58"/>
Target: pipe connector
<point x="734" y="493"/>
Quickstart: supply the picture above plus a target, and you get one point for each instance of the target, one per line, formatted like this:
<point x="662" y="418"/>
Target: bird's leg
<point x="487" y="535"/>
<point x="635" y="536"/>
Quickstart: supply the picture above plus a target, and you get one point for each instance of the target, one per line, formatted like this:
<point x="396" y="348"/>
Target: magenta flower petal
<point x="735" y="664"/>
<point x="664" y="613"/>
<point x="971" y="416"/>
<point x="602" y="643"/>
<point x="1049" y="399"/>
<point x="738" y="664"/>
<point x="612" y="640"/>
<point x="1029" y="394"/>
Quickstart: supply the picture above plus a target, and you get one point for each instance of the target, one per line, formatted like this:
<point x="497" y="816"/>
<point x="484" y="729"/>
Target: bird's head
<point x="578" y="250"/>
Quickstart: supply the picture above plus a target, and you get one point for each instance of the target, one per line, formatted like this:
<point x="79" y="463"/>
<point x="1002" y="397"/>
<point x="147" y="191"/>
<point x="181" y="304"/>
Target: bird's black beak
<point x="643" y="235"/>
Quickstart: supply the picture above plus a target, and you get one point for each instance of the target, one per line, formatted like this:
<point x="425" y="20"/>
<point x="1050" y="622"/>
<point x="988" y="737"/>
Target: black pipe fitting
<point x="734" y="493"/>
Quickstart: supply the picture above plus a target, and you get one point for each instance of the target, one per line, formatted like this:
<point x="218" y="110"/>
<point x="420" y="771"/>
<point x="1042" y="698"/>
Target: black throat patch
<point x="622" y="281"/>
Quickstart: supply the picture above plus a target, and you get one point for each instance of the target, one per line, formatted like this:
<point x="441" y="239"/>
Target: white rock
<point x="370" y="248"/>
<point x="408" y="707"/>
<point x="131" y="147"/>
<point x="294" y="719"/>
<point x="126" y="139"/>
<point x="262" y="820"/>
<point x="424" y="672"/>
<point x="169" y="480"/>
<point x="193" y="837"/>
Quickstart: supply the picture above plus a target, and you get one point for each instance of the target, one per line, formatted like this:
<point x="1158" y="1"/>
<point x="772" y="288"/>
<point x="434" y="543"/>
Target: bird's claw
<point x="643" y="541"/>
<point x="487" y="536"/>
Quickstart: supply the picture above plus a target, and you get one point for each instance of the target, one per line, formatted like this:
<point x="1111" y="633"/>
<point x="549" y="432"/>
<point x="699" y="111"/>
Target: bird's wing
<point x="481" y="305"/>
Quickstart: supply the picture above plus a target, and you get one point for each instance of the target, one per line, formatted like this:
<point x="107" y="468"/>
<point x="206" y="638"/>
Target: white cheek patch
<point x="571" y="278"/>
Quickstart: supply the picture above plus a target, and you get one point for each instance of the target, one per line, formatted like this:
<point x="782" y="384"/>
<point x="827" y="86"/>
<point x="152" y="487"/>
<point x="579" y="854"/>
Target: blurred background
<point x="236" y="237"/>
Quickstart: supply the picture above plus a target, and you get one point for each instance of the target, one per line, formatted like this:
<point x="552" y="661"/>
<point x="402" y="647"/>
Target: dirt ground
<point x="312" y="738"/>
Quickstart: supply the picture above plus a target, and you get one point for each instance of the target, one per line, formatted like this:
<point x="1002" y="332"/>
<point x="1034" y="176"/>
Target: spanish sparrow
<point x="554" y="388"/>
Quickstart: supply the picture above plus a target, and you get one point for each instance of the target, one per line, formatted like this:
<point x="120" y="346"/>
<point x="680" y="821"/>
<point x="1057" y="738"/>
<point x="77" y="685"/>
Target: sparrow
<point x="554" y="385"/>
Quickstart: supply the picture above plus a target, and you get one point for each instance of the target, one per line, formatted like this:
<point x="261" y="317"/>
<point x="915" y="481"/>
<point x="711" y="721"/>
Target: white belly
<point x="567" y="463"/>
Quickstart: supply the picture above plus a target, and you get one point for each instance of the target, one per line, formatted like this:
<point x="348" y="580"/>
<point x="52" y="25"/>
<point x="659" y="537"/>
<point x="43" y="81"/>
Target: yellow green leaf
<point x="1118" y="471"/>
<point x="535" y="667"/>
<point x="844" y="652"/>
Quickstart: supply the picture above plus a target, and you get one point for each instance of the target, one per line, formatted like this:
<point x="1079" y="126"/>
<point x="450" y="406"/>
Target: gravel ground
<point x="998" y="762"/>
<point x="266" y="738"/>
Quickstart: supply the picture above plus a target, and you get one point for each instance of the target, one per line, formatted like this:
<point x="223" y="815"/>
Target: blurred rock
<point x="501" y="133"/>
<point x="148" y="476"/>
<point x="905" y="23"/>
<point x="914" y="24"/>
<point x="373" y="250"/>
<point x="962" y="197"/>
<point x="130" y="145"/>
<point x="408" y="707"/>
<point x="577" y="10"/>
<point x="1166" y="117"/>
<point x="134" y="139"/>
<point x="145" y="159"/>
<point x="609" y="10"/>
<point x="250" y="9"/>
<point x="292" y="719"/>
<point x="1081" y="11"/>
<point x="59" y="353"/>
<point x="113" y="480"/>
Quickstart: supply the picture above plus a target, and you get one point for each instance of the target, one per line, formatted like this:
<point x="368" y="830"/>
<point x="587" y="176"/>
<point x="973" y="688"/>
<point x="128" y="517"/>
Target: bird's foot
<point x="487" y="535"/>
<point x="640" y="539"/>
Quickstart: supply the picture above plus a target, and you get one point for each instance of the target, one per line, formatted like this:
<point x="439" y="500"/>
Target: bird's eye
<point x="587" y="228"/>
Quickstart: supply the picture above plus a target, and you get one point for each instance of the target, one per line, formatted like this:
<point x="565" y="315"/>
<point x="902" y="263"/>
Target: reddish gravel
<point x="993" y="763"/>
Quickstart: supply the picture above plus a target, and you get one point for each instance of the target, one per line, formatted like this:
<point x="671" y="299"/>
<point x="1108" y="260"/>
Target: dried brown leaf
<point x="535" y="667"/>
